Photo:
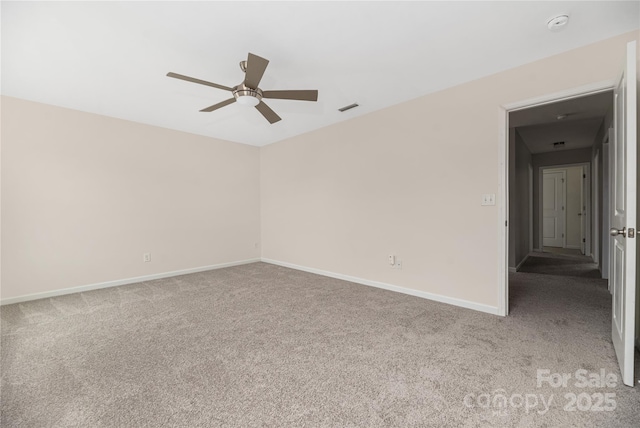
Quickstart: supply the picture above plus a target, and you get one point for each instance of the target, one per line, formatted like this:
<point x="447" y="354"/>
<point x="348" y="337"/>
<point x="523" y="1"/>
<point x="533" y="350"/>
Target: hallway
<point x="565" y="301"/>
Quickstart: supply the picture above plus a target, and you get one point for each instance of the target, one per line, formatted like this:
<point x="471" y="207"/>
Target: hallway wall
<point x="520" y="160"/>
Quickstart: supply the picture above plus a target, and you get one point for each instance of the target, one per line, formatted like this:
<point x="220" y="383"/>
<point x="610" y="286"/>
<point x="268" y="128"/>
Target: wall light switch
<point x="489" y="199"/>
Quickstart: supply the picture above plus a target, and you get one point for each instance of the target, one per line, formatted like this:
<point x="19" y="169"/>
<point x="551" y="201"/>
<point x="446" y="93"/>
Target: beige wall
<point x="408" y="180"/>
<point x="84" y="196"/>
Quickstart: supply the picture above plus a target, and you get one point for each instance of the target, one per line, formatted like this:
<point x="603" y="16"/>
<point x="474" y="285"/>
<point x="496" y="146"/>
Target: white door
<point x="623" y="217"/>
<point x="553" y="184"/>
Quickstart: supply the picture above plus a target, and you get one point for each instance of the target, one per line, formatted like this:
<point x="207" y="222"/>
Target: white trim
<point x="538" y="250"/>
<point x="595" y="207"/>
<point x="503" y="173"/>
<point x="425" y="295"/>
<point x="574" y="247"/>
<point x="517" y="268"/>
<point x="581" y="91"/>
<point x="606" y="204"/>
<point x="503" y="212"/>
<point x="115" y="283"/>
<point x="530" y="167"/>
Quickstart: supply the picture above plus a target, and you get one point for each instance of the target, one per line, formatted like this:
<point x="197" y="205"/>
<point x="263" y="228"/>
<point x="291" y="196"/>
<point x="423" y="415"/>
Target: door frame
<point x="503" y="173"/>
<point x="551" y="168"/>
<point x="530" y="207"/>
<point x="595" y="224"/>
<point x="606" y="205"/>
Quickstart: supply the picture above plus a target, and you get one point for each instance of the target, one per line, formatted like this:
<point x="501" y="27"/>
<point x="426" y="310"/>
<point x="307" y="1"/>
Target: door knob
<point x="616" y="232"/>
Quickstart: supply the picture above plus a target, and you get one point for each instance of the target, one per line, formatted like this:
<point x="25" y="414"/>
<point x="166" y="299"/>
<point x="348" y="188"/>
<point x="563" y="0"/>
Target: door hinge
<point x="562" y="180"/>
<point x="631" y="233"/>
<point x="563" y="235"/>
<point x="584" y="240"/>
<point x="584" y="175"/>
<point x="505" y="223"/>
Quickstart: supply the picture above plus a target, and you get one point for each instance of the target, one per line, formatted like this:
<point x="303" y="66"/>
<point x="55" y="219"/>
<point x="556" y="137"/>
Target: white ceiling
<point x="576" y="134"/>
<point x="111" y="58"/>
<point x="540" y="127"/>
<point x="575" y="109"/>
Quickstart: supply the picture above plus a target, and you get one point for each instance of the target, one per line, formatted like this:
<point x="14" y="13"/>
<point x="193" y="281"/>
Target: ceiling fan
<point x="248" y="92"/>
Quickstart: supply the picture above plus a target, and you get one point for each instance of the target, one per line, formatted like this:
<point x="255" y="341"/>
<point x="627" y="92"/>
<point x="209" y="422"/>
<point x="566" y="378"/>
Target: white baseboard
<point x="537" y="250"/>
<point x="425" y="295"/>
<point x="61" y="292"/>
<point x="574" y="247"/>
<point x="517" y="268"/>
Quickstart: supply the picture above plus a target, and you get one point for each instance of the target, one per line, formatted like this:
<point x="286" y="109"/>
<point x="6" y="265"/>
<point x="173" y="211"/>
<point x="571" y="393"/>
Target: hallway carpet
<point x="263" y="345"/>
<point x="558" y="264"/>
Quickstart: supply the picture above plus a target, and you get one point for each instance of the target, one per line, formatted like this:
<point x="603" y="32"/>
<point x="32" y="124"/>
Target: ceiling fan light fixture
<point x="247" y="96"/>
<point x="247" y="100"/>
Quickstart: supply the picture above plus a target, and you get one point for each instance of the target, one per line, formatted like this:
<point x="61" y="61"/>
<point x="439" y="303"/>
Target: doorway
<point x="550" y="134"/>
<point x="623" y="198"/>
<point x="565" y="210"/>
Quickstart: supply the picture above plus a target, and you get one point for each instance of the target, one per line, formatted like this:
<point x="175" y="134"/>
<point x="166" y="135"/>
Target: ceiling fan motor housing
<point x="246" y="95"/>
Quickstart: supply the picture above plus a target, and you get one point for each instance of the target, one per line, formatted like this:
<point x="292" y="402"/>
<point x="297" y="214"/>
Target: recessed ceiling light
<point x="557" y="22"/>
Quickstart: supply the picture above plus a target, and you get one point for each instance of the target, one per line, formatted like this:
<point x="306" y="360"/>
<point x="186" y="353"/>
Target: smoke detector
<point x="557" y="22"/>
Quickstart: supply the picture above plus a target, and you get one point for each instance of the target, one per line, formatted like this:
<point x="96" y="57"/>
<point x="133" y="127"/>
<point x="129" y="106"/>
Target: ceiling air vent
<point x="349" y="107"/>
<point x="558" y="144"/>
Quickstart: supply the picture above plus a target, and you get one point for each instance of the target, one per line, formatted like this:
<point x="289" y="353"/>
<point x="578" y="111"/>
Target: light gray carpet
<point x="262" y="345"/>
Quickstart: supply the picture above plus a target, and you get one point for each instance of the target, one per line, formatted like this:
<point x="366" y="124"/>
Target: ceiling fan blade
<point x="255" y="69"/>
<point x="268" y="114"/>
<point x="221" y="104"/>
<point x="310" y="95"/>
<point x="201" y="82"/>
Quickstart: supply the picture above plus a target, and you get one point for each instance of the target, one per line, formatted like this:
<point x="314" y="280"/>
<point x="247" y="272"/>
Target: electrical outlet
<point x="488" y="199"/>
<point x="146" y="257"/>
<point x="392" y="259"/>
